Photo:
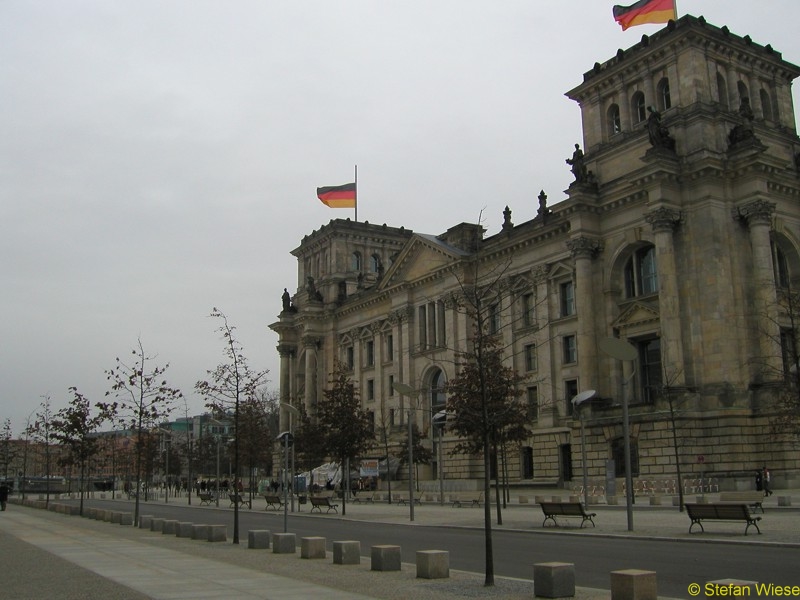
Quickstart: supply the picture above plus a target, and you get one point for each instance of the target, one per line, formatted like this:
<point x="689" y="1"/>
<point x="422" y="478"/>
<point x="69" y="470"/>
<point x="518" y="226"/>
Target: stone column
<point x="664" y="220"/>
<point x="310" y="345"/>
<point x="583" y="250"/>
<point x="758" y="217"/>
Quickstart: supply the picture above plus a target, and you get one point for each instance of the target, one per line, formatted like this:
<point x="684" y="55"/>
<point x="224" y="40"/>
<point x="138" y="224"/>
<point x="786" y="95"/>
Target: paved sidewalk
<point x="126" y="563"/>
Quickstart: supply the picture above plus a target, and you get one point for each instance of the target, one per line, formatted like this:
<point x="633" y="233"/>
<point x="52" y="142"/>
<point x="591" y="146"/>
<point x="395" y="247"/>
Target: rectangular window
<point x="494" y="319"/>
<point x="370" y="353"/>
<point x="391" y="385"/>
<point x="567" y="299"/>
<point x="650" y="368"/>
<point x="570" y="391"/>
<point x="391" y="417"/>
<point x="390" y="347"/>
<point x="528" y="315"/>
<point x="370" y="390"/>
<point x="431" y="325"/>
<point x="569" y="345"/>
<point x="533" y="402"/>
<point x="350" y="357"/>
<point x="788" y="351"/>
<point x="530" y="357"/>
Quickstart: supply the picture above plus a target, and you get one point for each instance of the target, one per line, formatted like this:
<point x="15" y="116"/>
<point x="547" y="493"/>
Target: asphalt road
<point x="678" y="563"/>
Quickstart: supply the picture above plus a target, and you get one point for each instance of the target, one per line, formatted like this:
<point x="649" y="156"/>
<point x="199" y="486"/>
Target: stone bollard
<point x="574" y="498"/>
<point x="284" y="543"/>
<point x="347" y="552"/>
<point x="539" y="499"/>
<point x="385" y="558"/>
<point x="312" y="547"/>
<point x="732" y="587"/>
<point x="258" y="539"/>
<point x="157" y="525"/>
<point x="184" y="529"/>
<point x="144" y="521"/>
<point x="633" y="584"/>
<point x="555" y="498"/>
<point x="433" y="564"/>
<point x="126" y="518"/>
<point x="612" y="500"/>
<point x="217" y="533"/>
<point x="169" y="527"/>
<point x="655" y="500"/>
<point x="676" y="501"/>
<point x="554" y="580"/>
<point x="523" y="500"/>
<point x="200" y="531"/>
<point x="784" y="500"/>
<point x="116" y="517"/>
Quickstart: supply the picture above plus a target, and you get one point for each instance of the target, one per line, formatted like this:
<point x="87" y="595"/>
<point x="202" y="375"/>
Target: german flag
<point x="645" y="11"/>
<point x="338" y="196"/>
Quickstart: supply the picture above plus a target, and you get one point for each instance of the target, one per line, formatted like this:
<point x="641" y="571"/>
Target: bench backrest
<point x="718" y="511"/>
<point x="320" y="500"/>
<point x="566" y="509"/>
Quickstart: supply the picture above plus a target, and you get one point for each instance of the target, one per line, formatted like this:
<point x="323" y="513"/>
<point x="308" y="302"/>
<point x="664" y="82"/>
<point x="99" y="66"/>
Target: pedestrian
<point x="759" y="481"/>
<point x="766" y="482"/>
<point x="3" y="495"/>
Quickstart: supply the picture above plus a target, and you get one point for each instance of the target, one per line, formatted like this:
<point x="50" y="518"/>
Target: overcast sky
<point x="159" y="158"/>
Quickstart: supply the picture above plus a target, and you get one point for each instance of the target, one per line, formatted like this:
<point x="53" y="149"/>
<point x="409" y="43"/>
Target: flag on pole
<point x="338" y="196"/>
<point x="645" y="11"/>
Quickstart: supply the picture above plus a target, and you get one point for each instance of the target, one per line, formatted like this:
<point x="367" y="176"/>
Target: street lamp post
<point x="407" y="390"/>
<point x="440" y="420"/>
<point x="293" y="412"/>
<point x="576" y="402"/>
<point x="622" y="351"/>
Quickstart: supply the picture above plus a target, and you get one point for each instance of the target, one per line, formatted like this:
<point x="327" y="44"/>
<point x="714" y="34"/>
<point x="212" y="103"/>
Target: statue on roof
<point x="658" y="134"/>
<point x="578" y="165"/>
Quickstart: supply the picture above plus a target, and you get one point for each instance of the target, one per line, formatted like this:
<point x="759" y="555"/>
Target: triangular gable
<point x="637" y="314"/>
<point x="560" y="270"/>
<point x="420" y="257"/>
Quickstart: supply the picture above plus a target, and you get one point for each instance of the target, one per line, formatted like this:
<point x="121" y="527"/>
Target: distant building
<point x="680" y="235"/>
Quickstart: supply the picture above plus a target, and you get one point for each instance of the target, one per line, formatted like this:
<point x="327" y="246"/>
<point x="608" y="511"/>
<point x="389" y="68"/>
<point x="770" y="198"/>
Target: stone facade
<point x="679" y="234"/>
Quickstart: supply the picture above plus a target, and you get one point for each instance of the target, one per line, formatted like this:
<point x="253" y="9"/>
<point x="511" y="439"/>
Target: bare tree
<point x="143" y="400"/>
<point x="41" y="432"/>
<point x="231" y="384"/>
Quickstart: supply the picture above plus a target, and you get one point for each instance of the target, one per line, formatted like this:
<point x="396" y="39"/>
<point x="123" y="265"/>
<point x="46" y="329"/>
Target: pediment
<point x="636" y="315"/>
<point x="422" y="256"/>
<point x="560" y="270"/>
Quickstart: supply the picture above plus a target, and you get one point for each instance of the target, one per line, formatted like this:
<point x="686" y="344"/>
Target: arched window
<point x="374" y="263"/>
<point x="641" y="276"/>
<point x="766" y="105"/>
<point x="614" y="123"/>
<point x="664" y="100"/>
<point x="355" y="262"/>
<point x="722" y="91"/>
<point x="638" y="108"/>
<point x="437" y="396"/>
<point x="742" y="89"/>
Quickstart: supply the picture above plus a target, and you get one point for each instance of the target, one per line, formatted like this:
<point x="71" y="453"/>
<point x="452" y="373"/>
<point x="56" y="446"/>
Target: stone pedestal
<point x="157" y="525"/>
<point x="347" y="552"/>
<point x="126" y="518"/>
<point x="169" y="527"/>
<point x="217" y="533"/>
<point x="258" y="539"/>
<point x="385" y="558"/>
<point x="433" y="564"/>
<point x="144" y="521"/>
<point x="554" y="580"/>
<point x="284" y="543"/>
<point x="200" y="531"/>
<point x="184" y="529"/>
<point x="633" y="584"/>
<point x="312" y="547"/>
<point x="655" y="500"/>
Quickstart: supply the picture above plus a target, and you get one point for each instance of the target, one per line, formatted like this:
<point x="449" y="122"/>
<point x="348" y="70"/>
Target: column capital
<point x="312" y="341"/>
<point x="758" y="212"/>
<point x="286" y="350"/>
<point x="584" y="247"/>
<point x="663" y="219"/>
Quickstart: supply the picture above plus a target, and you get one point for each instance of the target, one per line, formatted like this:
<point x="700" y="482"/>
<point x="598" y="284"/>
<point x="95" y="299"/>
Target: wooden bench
<point x="552" y="510"/>
<point x="205" y="498"/>
<point x="274" y="501"/>
<point x="237" y="498"/>
<point x="319" y="502"/>
<point x="723" y="511"/>
<point x="403" y="498"/>
<point x="460" y="499"/>
<point x="366" y="498"/>
<point x="753" y="498"/>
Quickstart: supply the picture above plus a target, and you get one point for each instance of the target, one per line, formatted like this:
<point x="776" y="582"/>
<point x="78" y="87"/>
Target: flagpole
<point x="355" y="204"/>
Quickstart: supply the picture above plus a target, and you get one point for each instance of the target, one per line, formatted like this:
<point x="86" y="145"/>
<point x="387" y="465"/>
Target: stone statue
<point x="543" y="210"/>
<point x="287" y="301"/>
<point x="578" y="165"/>
<point x="658" y="134"/>
<point x="313" y="293"/>
<point x="744" y="130"/>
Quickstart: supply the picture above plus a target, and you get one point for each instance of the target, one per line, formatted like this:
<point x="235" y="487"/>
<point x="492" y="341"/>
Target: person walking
<point x="765" y="481"/>
<point x="3" y="495"/>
